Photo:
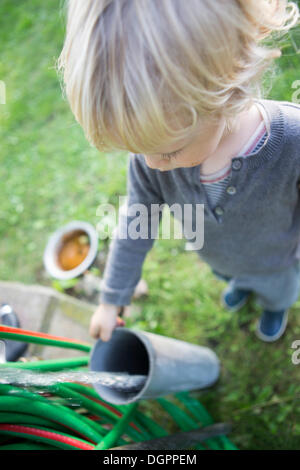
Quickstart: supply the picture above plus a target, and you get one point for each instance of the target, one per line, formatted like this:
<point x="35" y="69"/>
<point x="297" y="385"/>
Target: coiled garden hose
<point x="35" y="420"/>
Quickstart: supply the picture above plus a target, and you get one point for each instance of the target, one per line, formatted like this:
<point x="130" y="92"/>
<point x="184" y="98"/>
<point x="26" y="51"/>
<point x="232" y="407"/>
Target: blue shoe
<point x="234" y="299"/>
<point x="271" y="325"/>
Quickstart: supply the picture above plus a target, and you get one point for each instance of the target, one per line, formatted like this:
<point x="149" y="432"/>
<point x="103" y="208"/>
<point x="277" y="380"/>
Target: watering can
<point x="169" y="365"/>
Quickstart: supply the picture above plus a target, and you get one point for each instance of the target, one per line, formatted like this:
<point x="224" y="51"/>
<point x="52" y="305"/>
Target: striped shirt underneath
<point x="216" y="183"/>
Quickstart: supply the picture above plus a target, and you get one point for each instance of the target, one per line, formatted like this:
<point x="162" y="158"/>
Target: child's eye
<point x="168" y="156"/>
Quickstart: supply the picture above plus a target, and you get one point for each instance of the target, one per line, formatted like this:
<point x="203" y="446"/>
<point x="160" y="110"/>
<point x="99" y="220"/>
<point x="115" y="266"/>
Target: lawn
<point x="50" y="175"/>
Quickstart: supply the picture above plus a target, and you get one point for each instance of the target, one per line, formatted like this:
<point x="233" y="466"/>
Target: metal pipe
<point x="169" y="365"/>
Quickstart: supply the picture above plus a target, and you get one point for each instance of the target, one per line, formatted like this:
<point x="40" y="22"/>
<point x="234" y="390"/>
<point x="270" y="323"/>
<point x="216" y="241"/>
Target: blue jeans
<point x="275" y="291"/>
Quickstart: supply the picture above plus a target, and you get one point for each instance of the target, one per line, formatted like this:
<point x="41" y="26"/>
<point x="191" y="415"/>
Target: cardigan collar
<point x="275" y="140"/>
<point x="273" y="143"/>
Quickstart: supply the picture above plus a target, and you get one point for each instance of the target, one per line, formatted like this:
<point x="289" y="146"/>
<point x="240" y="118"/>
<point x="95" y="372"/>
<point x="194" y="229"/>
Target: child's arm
<point x="126" y="256"/>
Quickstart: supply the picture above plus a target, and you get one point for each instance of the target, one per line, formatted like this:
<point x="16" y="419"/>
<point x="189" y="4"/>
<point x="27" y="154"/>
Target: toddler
<point x="178" y="84"/>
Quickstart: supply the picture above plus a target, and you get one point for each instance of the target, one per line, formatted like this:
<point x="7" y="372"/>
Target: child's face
<point x="190" y="152"/>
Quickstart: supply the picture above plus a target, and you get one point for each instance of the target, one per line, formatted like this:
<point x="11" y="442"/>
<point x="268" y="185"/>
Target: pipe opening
<point x="124" y="352"/>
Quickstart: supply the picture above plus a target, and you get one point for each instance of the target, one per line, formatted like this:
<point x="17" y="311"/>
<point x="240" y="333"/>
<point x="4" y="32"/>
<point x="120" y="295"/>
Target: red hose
<point x="9" y="329"/>
<point x="54" y="436"/>
<point x="113" y="410"/>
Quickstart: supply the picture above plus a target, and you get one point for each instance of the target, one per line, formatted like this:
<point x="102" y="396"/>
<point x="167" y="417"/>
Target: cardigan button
<point x="219" y="210"/>
<point x="237" y="164"/>
<point x="231" y="190"/>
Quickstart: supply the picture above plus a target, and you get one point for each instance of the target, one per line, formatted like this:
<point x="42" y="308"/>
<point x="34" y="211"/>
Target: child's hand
<point x="104" y="320"/>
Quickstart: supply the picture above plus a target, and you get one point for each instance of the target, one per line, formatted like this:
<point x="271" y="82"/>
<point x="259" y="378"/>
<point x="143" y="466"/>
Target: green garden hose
<point x="29" y="420"/>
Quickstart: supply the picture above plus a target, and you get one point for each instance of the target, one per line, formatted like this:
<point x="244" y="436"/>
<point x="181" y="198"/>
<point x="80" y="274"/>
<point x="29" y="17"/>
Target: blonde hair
<point x="140" y="74"/>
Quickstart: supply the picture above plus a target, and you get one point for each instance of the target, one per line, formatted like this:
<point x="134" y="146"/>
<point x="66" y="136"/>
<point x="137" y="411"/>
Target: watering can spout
<point x="169" y="365"/>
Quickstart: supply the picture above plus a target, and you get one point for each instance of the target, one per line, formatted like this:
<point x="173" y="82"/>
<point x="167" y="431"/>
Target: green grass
<point x="50" y="175"/>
